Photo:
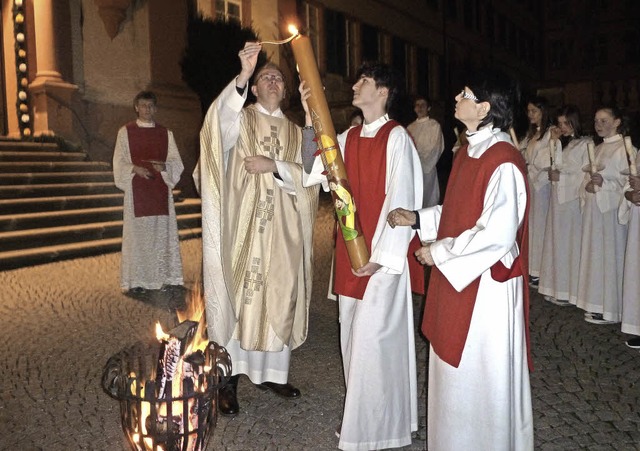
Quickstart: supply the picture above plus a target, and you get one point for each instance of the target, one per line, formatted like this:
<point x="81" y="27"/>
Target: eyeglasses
<point x="269" y="78"/>
<point x="468" y="95"/>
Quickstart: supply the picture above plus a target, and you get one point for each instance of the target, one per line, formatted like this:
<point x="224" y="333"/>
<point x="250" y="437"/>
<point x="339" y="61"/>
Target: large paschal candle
<point x="329" y="150"/>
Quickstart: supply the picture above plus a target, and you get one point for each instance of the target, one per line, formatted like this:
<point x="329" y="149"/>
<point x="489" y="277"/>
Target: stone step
<point x="49" y="236"/>
<point x="29" y="155"/>
<point x="53" y="166"/>
<point x="36" y="220"/>
<point x="56" y="203"/>
<point x="28" y="146"/>
<point x="44" y="178"/>
<point x="57" y="189"/>
<point x="36" y="256"/>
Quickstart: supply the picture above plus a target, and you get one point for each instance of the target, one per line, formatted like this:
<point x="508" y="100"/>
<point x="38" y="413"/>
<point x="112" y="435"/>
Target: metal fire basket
<point x="174" y="421"/>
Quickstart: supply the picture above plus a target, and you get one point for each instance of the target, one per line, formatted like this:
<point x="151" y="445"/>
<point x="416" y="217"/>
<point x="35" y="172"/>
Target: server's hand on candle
<point x="259" y="164"/>
<point x="554" y="175"/>
<point x="367" y="270"/>
<point x="634" y="182"/>
<point x="596" y="179"/>
<point x="401" y="217"/>
<point x="633" y="197"/>
<point x="305" y="93"/>
<point x="424" y="255"/>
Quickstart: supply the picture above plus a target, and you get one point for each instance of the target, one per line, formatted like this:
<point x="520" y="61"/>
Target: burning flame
<point x="294" y="32"/>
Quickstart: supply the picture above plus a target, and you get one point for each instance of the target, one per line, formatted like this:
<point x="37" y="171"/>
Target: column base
<point x="52" y="101"/>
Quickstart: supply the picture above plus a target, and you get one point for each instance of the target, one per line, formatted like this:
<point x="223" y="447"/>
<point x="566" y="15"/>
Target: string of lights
<point x="23" y="100"/>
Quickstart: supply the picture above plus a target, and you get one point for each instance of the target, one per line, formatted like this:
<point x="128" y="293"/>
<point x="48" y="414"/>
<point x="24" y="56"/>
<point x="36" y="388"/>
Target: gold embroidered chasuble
<point x="260" y="285"/>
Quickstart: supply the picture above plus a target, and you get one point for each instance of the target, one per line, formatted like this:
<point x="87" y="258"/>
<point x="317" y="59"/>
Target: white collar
<point x="612" y="139"/>
<point x="141" y="124"/>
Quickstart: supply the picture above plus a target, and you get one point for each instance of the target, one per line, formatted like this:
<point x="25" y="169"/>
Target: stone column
<point x="51" y="94"/>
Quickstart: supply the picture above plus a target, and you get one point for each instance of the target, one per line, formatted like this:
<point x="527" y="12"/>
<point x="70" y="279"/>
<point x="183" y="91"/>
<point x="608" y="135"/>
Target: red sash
<point x="150" y="196"/>
<point x="366" y="167"/>
<point x="448" y="312"/>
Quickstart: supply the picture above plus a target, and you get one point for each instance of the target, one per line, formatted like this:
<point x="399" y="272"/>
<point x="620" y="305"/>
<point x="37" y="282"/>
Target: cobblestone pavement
<point x="61" y="322"/>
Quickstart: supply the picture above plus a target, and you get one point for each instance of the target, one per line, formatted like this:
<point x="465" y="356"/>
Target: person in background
<point x="356" y="118"/>
<point x="147" y="166"/>
<point x="375" y="301"/>
<point x="257" y="239"/>
<point x="538" y="154"/>
<point x="603" y="238"/>
<point x="629" y="213"/>
<point x="561" y="247"/>
<point x="477" y="307"/>
<point x="427" y="135"/>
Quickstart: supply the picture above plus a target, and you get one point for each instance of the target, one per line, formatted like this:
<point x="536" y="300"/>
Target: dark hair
<point x="542" y="104"/>
<point x="145" y="95"/>
<point x="501" y="92"/>
<point x="617" y="113"/>
<point x="421" y="97"/>
<point x="572" y="114"/>
<point x="385" y="77"/>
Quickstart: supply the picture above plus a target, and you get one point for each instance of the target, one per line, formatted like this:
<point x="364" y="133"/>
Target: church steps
<point x="58" y="205"/>
<point x="28" y="257"/>
<point x="48" y="236"/>
<point x="9" y="155"/>
<point x="61" y="189"/>
<point x="47" y="178"/>
<point x="52" y="166"/>
<point x="36" y="220"/>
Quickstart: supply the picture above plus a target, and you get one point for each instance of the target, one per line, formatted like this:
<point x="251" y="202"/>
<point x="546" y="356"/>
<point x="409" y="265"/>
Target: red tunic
<point x="366" y="167"/>
<point x="448" y="312"/>
<point x="150" y="196"/>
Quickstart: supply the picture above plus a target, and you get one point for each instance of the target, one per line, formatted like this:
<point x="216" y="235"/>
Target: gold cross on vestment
<point x="264" y="211"/>
<point x="253" y="281"/>
<point x="271" y="144"/>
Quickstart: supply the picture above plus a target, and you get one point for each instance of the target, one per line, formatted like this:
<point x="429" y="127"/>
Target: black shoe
<point x="533" y="281"/>
<point x="284" y="390"/>
<point x="228" y="398"/>
<point x="633" y="343"/>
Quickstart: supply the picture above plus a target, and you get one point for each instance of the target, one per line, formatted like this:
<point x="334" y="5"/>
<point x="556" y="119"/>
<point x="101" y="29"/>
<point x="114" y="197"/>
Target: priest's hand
<point x="367" y="270"/>
<point x="633" y="197"/>
<point x="401" y="217"/>
<point x="248" y="60"/>
<point x="424" y="255"/>
<point x="634" y="181"/>
<point x="259" y="164"/>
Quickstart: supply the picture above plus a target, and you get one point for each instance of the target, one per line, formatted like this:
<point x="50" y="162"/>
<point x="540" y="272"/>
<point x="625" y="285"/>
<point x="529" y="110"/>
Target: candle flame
<point x="294" y="32"/>
<point x="160" y="334"/>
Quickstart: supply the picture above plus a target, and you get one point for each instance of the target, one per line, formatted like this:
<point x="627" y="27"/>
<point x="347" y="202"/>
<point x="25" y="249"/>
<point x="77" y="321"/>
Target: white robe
<point x="427" y="135"/>
<point x="630" y="214"/>
<point x="259" y="366"/>
<point x="377" y="332"/>
<point x="538" y="156"/>
<point x="561" y="247"/>
<point x="150" y="244"/>
<point x="603" y="238"/>
<point x="485" y="403"/>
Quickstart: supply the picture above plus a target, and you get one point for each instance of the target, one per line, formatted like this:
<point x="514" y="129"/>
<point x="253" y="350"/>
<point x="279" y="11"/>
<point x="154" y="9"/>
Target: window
<point x="422" y="71"/>
<point x="229" y="9"/>
<point x="370" y="43"/>
<point x="399" y="58"/>
<point x="336" y="42"/>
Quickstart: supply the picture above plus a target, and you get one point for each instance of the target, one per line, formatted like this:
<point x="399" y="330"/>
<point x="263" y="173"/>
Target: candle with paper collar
<point x="343" y="201"/>
<point x="592" y="157"/>
<point x="633" y="170"/>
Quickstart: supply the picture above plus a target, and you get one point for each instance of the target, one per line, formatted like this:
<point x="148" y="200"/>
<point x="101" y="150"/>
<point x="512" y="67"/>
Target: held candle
<point x="343" y="201"/>
<point x="633" y="170"/>
<point x="592" y="157"/>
